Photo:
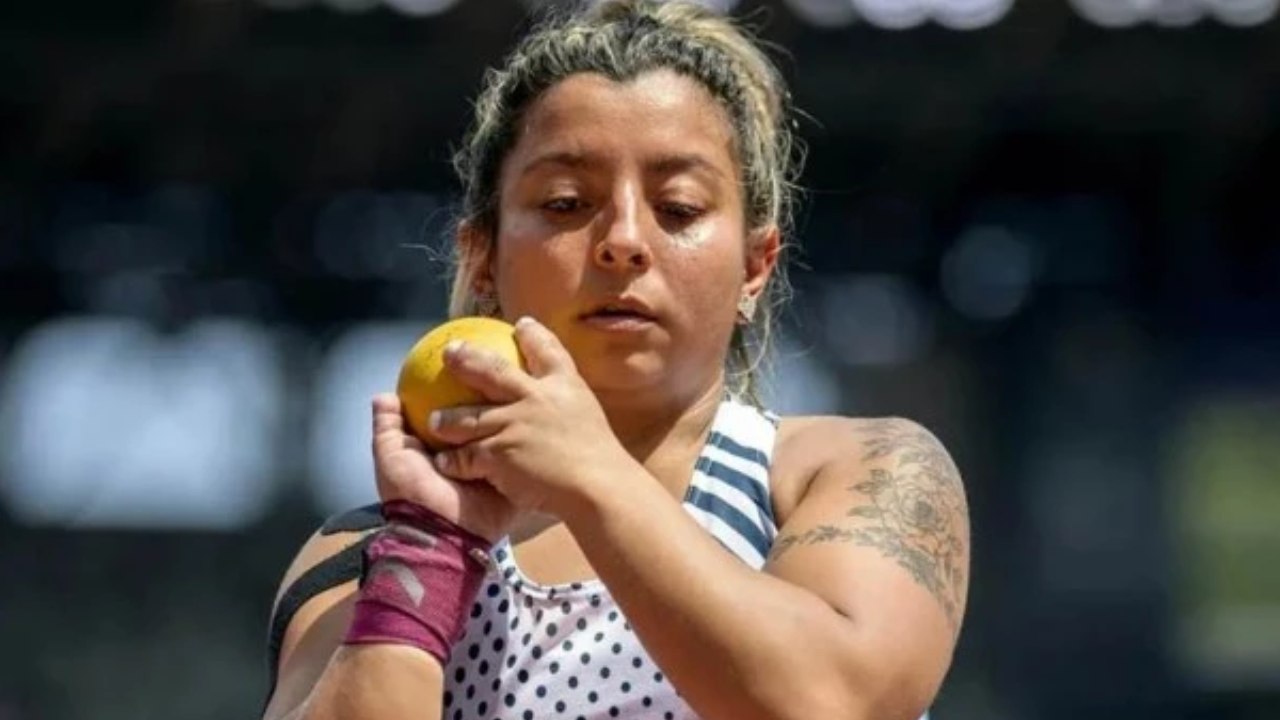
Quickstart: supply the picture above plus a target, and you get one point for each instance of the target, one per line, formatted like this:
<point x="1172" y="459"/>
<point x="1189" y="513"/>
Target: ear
<point x="475" y="255"/>
<point x="764" y="246"/>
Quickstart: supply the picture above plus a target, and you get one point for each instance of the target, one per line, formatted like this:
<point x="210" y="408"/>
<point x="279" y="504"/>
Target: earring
<point x="746" y="308"/>
<point x="487" y="304"/>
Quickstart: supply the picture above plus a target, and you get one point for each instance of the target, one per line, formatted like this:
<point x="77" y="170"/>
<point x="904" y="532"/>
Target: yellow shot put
<point x="426" y="385"/>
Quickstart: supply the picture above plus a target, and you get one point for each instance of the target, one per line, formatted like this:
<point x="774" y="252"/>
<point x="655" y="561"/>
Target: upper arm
<point x="313" y="608"/>
<point x="881" y="534"/>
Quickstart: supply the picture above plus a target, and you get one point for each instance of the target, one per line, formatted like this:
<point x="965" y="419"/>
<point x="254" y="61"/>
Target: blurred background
<point x="1047" y="229"/>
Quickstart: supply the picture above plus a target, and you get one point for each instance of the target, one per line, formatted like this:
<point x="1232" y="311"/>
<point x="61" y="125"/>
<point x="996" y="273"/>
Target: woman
<point x="621" y="531"/>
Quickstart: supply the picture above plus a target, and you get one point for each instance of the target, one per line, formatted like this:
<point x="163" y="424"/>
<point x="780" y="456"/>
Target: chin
<point x="627" y="374"/>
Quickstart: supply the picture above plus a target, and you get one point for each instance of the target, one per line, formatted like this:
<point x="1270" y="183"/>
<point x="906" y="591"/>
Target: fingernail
<point x="525" y="321"/>
<point x="452" y="347"/>
<point x="433" y="420"/>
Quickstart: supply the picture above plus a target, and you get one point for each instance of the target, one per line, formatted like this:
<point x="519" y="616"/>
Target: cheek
<point x="529" y="265"/>
<point x="708" y="278"/>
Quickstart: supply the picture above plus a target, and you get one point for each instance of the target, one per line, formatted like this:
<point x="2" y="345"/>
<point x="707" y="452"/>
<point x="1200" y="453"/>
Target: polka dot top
<point x="539" y="652"/>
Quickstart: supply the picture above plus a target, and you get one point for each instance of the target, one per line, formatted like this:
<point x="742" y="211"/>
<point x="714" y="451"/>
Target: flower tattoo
<point x="910" y="507"/>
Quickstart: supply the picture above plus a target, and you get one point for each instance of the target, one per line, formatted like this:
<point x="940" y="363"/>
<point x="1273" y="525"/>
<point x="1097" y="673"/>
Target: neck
<point x="644" y="422"/>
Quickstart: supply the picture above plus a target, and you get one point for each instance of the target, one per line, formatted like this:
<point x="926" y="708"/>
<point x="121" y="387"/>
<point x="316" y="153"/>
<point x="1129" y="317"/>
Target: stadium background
<point x="1045" y="228"/>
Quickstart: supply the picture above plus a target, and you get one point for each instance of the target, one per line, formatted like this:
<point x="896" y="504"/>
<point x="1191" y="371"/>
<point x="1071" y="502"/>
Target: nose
<point x="623" y="245"/>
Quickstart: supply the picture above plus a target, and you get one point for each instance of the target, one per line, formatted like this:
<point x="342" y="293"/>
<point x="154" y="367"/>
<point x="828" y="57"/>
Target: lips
<point x="621" y="308"/>
<point x="621" y="316"/>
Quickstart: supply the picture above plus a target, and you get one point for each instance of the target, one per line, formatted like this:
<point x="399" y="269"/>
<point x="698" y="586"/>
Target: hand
<point x="404" y="472"/>
<point x="544" y="439"/>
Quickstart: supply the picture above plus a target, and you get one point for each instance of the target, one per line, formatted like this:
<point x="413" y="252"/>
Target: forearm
<point x="418" y="579"/>
<point x="376" y="682"/>
<point x="736" y="642"/>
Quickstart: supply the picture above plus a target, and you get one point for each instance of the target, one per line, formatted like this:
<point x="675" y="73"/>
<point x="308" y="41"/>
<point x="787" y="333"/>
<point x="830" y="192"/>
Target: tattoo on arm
<point x="911" y="508"/>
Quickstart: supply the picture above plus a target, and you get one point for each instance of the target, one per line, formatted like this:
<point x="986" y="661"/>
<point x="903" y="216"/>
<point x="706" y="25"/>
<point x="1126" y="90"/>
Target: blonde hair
<point x="622" y="39"/>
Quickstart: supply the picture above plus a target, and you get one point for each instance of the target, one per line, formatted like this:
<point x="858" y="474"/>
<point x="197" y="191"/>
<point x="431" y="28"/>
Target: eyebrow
<point x="685" y="162"/>
<point x="669" y="164"/>
<point x="564" y="158"/>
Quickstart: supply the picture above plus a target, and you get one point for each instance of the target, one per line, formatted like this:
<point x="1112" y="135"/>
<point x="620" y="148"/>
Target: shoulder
<point x="885" y="486"/>
<point x="812" y="446"/>
<point x="878" y="527"/>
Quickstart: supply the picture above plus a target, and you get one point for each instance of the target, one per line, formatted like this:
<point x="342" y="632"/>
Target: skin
<point x="630" y="190"/>
<point x="586" y="453"/>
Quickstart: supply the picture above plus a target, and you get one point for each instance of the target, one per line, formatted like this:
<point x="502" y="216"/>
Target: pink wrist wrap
<point x="421" y="575"/>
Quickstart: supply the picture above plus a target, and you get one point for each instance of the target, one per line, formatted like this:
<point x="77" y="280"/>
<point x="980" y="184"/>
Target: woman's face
<point x="622" y="229"/>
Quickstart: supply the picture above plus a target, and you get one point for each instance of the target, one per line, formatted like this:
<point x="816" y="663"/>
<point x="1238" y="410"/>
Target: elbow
<point x="838" y="671"/>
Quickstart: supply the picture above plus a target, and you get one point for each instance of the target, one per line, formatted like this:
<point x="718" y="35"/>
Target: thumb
<point x="542" y="350"/>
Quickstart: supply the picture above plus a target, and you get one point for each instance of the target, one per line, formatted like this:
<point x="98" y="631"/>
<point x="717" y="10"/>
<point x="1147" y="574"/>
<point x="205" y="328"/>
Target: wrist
<point x="420" y="577"/>
<point x="606" y="487"/>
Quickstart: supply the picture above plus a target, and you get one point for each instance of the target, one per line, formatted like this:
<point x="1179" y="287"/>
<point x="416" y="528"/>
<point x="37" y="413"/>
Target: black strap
<point x="341" y="567"/>
<point x="357" y="520"/>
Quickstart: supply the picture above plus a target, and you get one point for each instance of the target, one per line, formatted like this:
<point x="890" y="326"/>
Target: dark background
<point x="1052" y="241"/>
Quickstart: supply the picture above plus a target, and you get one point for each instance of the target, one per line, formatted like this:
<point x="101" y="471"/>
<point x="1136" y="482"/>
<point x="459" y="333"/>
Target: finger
<point x="464" y="462"/>
<point x="542" y="350"/>
<point x="466" y="423"/>
<point x="387" y="413"/>
<point x="495" y="377"/>
<point x="388" y="423"/>
<point x="388" y="442"/>
<point x="411" y="442"/>
<point x="389" y="427"/>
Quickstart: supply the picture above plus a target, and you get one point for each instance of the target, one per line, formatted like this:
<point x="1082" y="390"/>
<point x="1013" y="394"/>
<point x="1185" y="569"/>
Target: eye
<point x="562" y="205"/>
<point x="681" y="211"/>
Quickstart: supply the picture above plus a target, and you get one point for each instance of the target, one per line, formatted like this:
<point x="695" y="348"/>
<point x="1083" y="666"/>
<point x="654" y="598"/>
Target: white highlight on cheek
<point x="693" y="236"/>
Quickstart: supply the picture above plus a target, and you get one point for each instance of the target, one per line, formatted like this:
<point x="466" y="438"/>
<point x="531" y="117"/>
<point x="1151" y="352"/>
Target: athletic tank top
<point x="544" y="652"/>
<point x="566" y="652"/>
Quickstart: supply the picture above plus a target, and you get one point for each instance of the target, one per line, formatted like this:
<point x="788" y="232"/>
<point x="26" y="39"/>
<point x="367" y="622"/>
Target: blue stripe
<point x="730" y="516"/>
<point x="729" y="445"/>
<point x="749" y="486"/>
